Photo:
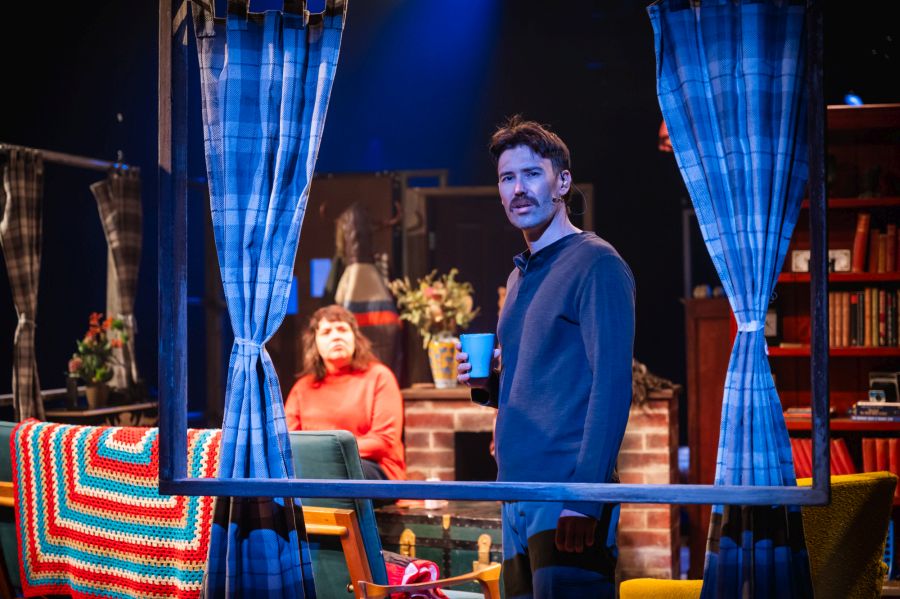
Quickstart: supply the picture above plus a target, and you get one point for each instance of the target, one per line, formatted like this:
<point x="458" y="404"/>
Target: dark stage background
<point x="420" y="85"/>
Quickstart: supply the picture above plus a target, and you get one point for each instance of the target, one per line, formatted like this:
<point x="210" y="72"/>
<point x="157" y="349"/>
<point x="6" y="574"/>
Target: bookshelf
<point x="859" y="139"/>
<point x="864" y="300"/>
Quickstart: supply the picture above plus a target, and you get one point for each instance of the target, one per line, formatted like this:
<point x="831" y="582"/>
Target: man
<point x="566" y="333"/>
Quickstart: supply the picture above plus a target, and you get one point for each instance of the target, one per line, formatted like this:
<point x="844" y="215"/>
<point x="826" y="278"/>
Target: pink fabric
<point x="409" y="570"/>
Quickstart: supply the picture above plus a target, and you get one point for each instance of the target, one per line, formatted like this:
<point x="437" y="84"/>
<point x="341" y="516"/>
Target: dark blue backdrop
<point x="421" y="84"/>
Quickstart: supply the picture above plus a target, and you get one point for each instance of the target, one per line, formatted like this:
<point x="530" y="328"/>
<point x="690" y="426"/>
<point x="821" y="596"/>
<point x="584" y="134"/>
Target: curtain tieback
<point x="24" y="321"/>
<point x="130" y="322"/>
<point x="247" y="342"/>
<point x="750" y="327"/>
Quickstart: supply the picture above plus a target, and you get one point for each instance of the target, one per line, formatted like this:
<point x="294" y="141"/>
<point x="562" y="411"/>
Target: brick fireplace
<point x="648" y="534"/>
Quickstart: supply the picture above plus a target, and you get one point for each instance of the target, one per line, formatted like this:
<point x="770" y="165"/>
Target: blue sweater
<point x="566" y="333"/>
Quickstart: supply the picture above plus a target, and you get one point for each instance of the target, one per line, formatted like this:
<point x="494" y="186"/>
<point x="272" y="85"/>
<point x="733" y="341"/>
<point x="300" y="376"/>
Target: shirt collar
<point x="526" y="259"/>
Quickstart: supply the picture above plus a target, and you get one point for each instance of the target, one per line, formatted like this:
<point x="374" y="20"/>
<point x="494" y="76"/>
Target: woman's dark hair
<point x="312" y="361"/>
<point x="516" y="131"/>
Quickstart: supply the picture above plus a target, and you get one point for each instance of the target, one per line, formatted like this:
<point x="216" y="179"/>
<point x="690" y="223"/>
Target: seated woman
<point x="344" y="387"/>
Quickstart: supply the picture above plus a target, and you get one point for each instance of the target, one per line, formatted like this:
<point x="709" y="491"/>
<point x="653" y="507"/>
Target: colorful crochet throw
<point x="89" y="517"/>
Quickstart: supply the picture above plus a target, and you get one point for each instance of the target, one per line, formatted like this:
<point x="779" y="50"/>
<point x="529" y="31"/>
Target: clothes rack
<point x="70" y="159"/>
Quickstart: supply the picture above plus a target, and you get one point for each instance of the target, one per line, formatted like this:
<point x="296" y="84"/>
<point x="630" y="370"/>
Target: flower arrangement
<point x="435" y="305"/>
<point x="93" y="359"/>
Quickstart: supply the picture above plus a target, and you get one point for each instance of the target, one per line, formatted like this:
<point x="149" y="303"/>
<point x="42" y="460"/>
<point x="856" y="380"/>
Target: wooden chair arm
<point x="7" y="499"/>
<point x="341" y="523"/>
<point x="488" y="578"/>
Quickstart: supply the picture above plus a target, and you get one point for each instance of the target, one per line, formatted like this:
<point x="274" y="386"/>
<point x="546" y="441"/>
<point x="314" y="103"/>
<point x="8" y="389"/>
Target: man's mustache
<point x="520" y="201"/>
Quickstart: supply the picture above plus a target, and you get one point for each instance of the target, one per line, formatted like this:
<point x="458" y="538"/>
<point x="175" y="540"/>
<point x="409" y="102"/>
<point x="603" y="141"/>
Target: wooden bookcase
<point x="864" y="176"/>
<point x="858" y="139"/>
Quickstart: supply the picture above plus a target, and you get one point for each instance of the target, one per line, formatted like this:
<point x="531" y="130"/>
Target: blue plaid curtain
<point x="730" y="79"/>
<point x="265" y="83"/>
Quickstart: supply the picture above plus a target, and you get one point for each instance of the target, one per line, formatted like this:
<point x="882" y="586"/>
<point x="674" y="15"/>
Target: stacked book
<point x="804" y="413"/>
<point x="876" y="411"/>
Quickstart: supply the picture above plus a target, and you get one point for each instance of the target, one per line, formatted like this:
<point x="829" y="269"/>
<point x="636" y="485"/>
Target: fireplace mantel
<point x="648" y="534"/>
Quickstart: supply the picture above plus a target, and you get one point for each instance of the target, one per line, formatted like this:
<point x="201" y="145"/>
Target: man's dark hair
<point x="516" y="131"/>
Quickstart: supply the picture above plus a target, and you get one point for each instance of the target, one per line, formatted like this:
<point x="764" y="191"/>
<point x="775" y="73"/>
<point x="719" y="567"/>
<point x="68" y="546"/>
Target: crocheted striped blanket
<point x="90" y="520"/>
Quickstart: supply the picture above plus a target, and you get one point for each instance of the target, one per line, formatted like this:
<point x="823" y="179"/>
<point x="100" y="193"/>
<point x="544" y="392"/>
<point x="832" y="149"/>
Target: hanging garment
<point x="119" y="203"/>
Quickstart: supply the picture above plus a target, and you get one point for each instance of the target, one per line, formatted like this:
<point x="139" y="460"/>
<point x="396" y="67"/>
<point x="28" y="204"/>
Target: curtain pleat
<point x="20" y="236"/>
<point x="730" y="80"/>
<point x="119" y="204"/>
<point x="265" y="83"/>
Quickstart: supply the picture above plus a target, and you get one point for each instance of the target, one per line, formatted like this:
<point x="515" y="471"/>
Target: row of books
<point x="882" y="454"/>
<point x="841" y="462"/>
<point x="877" y="455"/>
<point x="863" y="318"/>
<point x="874" y="250"/>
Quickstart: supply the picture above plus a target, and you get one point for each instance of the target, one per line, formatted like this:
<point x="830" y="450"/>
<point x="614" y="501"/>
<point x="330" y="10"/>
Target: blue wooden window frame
<point x="173" y="185"/>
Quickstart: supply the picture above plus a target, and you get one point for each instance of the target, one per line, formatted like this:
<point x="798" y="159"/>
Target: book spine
<point x="882" y="319"/>
<point x="800" y="470"/>
<point x="806" y="452"/>
<point x="831" y="319"/>
<point x="874" y="317"/>
<point x="881" y="263"/>
<point x="882" y="454"/>
<point x="858" y="258"/>
<point x="850" y="467"/>
<point x="868" y="455"/>
<point x="875" y="418"/>
<point x="894" y="454"/>
<point x="890" y="412"/>
<point x="890" y="253"/>
<point x="861" y="318"/>
<point x="889" y="318"/>
<point x="873" y="251"/>
<point x="867" y="317"/>
<point x="838" y="319"/>
<point x="837" y="464"/>
<point x="896" y="257"/>
<point x="845" y="319"/>
<point x="854" y="318"/>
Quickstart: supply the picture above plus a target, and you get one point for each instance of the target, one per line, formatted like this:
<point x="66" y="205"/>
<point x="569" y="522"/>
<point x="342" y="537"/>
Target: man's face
<point x="527" y="186"/>
<point x="335" y="342"/>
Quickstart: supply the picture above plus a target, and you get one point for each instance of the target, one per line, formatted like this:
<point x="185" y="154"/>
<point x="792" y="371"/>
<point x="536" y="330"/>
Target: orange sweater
<point x="367" y="403"/>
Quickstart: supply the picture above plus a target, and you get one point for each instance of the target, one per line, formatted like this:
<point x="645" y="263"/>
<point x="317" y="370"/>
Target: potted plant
<point x="438" y="306"/>
<point x="93" y="359"/>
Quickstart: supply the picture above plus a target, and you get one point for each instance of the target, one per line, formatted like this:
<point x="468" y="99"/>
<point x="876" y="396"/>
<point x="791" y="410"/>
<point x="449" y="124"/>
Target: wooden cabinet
<point x="708" y="335"/>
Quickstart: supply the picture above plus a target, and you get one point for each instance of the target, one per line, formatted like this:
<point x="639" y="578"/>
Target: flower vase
<point x="442" y="359"/>
<point x="96" y="394"/>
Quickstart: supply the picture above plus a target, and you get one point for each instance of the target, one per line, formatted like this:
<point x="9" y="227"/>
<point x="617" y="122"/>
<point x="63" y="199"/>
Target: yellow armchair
<point x="845" y="540"/>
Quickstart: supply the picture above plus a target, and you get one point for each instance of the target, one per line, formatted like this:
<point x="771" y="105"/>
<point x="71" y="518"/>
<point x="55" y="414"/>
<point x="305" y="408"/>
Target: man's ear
<point x="565" y="180"/>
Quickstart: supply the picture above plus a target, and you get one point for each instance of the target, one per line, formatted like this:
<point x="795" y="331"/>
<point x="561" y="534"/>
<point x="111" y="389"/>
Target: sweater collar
<point x="527" y="260"/>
